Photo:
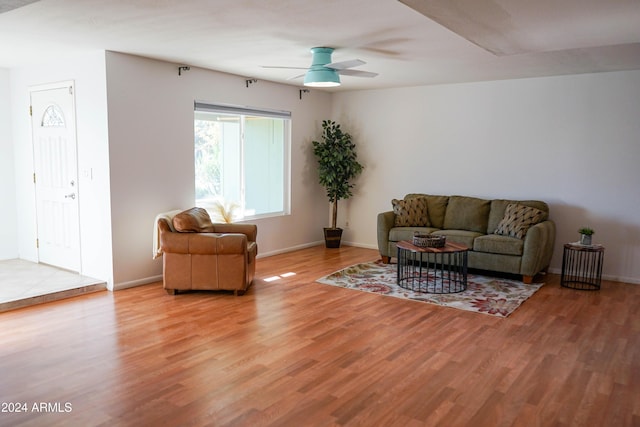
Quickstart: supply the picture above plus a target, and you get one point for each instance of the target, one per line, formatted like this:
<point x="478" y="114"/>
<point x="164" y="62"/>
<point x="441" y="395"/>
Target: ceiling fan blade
<point x="345" y="64"/>
<point x="287" y="68"/>
<point x="321" y="64"/>
<point x="296" y="77"/>
<point x="356" y="73"/>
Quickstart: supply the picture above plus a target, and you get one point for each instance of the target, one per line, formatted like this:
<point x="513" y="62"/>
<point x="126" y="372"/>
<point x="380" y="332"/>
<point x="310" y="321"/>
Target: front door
<point x="56" y="175"/>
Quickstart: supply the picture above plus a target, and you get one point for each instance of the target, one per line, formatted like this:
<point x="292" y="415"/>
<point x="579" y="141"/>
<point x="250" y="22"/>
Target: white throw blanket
<point x="156" y="232"/>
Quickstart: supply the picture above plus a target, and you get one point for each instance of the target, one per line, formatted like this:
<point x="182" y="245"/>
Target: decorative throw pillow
<point x="194" y="220"/>
<point x="411" y="212"/>
<point x="517" y="220"/>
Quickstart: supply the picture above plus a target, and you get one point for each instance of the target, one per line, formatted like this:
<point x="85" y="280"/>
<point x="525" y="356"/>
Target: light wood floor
<point x="292" y="352"/>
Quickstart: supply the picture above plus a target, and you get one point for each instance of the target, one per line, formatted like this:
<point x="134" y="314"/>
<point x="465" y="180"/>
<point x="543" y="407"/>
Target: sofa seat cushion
<point x="463" y="237"/>
<point x="397" y="234"/>
<point x="411" y="212"/>
<point x="467" y="213"/>
<point x="496" y="244"/>
<point x="194" y="220"/>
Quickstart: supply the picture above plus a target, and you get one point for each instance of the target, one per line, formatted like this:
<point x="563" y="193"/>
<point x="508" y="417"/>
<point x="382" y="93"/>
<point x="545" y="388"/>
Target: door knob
<point x="70" y="196"/>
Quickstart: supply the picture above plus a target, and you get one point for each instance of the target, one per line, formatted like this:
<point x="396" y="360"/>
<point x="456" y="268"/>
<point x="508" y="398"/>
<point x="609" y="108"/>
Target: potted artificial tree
<point x="337" y="166"/>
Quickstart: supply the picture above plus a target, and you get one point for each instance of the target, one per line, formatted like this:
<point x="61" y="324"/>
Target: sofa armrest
<point x="538" y="248"/>
<point x="385" y="224"/>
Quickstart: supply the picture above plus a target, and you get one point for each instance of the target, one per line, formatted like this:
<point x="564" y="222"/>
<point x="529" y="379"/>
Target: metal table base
<point x="431" y="270"/>
<point x="582" y="267"/>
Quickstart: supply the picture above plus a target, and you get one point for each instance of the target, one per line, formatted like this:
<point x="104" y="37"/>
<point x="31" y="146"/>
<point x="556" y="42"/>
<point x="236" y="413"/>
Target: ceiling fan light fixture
<point x="324" y="77"/>
<point x="325" y="73"/>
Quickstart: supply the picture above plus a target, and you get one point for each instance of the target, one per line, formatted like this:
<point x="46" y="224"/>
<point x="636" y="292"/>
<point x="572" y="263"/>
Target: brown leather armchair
<point x="223" y="258"/>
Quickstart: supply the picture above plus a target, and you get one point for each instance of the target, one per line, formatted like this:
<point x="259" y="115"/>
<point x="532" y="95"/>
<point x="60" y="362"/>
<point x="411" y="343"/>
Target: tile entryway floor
<point x="24" y="283"/>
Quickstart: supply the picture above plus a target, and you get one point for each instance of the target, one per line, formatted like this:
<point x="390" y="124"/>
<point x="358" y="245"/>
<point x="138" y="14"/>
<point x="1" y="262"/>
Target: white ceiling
<point x="427" y="42"/>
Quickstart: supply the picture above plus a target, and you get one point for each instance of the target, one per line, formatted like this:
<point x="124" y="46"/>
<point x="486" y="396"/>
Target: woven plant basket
<point x="429" y="240"/>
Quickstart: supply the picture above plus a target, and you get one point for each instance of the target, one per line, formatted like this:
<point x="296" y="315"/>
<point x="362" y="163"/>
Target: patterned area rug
<point x="488" y="295"/>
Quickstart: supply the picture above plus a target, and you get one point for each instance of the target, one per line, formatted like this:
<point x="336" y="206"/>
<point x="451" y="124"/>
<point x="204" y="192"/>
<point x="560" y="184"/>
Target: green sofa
<point x="509" y="236"/>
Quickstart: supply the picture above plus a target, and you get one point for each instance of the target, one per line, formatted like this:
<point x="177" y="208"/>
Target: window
<point x="242" y="159"/>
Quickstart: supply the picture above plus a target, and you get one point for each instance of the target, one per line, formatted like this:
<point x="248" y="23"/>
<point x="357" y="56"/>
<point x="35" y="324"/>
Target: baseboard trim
<point x="290" y="249"/>
<point x="360" y="245"/>
<point x="312" y="244"/>
<point x="134" y="283"/>
<point x="612" y="278"/>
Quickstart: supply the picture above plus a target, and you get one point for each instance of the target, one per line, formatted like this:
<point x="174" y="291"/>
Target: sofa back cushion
<point x="498" y="207"/>
<point x="194" y="220"/>
<point x="467" y="213"/>
<point x="436" y="207"/>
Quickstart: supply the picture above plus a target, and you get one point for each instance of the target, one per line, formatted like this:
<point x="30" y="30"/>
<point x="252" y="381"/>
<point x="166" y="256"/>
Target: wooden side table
<point x="582" y="266"/>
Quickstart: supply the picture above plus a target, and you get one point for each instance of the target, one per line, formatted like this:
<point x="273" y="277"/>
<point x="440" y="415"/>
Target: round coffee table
<point x="432" y="270"/>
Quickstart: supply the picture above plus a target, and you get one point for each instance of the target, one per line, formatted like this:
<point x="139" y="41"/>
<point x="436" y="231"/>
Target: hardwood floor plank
<point x="292" y="352"/>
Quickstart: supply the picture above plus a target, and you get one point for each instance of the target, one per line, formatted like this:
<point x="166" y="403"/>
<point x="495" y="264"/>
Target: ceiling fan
<point x="324" y="73"/>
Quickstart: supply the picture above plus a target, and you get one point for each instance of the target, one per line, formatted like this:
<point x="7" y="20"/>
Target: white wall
<point x="88" y="74"/>
<point x="151" y="155"/>
<point x="572" y="141"/>
<point x="8" y="231"/>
